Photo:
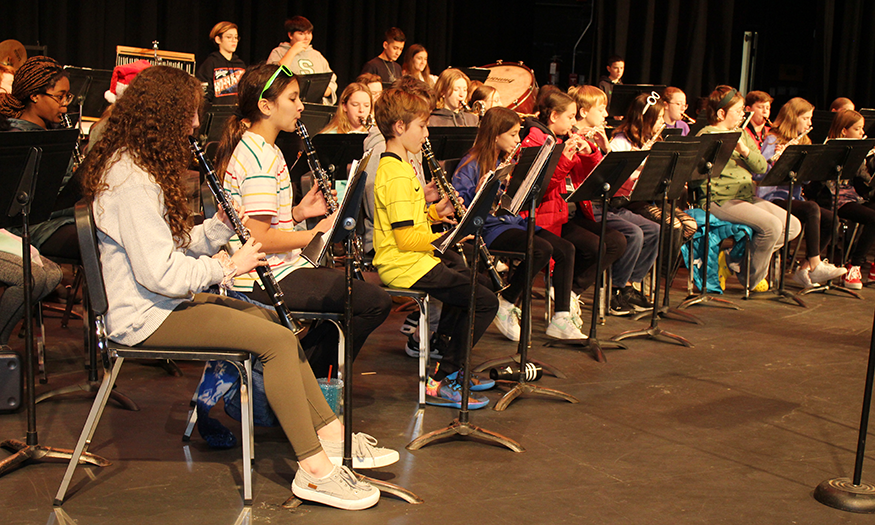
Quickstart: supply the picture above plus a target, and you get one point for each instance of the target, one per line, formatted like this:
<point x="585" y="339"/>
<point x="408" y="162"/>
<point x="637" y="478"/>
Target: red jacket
<point x="553" y="211"/>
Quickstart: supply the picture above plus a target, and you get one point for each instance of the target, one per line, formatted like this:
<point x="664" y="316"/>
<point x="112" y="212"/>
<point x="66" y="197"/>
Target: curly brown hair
<point x="151" y="123"/>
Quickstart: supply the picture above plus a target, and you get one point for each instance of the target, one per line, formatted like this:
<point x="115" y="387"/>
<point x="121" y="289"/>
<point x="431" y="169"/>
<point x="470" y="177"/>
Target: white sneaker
<point x="825" y="272"/>
<point x="365" y="452"/>
<point x="576" y="312"/>
<point x="562" y="327"/>
<point x="507" y="319"/>
<point x="803" y="278"/>
<point x="339" y="489"/>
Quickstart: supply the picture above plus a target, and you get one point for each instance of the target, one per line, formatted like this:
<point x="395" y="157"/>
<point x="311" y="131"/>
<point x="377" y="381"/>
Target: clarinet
<point x="446" y="190"/>
<point x="78" y="157"/>
<point x="323" y="180"/>
<point x="264" y="273"/>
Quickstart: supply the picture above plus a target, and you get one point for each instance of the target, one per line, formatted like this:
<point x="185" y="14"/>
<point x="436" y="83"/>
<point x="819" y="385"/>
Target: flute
<point x="264" y="273"/>
<point x="774" y="158"/>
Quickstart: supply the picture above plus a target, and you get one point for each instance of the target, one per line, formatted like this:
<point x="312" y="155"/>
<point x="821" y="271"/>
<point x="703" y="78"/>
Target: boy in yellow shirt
<point x="402" y="242"/>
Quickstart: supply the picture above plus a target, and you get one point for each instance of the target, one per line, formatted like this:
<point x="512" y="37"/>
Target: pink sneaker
<point x="853" y="279"/>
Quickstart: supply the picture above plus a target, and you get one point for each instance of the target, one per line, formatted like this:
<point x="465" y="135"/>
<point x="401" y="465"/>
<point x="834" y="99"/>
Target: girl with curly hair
<point x="156" y="264"/>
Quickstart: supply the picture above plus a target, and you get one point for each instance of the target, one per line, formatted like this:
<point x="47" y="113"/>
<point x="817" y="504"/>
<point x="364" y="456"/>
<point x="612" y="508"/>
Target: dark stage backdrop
<point x="814" y="49"/>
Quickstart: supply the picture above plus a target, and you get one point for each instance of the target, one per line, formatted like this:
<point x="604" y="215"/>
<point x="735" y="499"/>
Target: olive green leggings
<point x="215" y="321"/>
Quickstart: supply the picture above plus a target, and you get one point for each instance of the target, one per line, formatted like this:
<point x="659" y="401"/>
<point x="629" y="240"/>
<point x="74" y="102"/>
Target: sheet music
<point x="526" y="187"/>
<point x="443" y="242"/>
<point x="315" y="249"/>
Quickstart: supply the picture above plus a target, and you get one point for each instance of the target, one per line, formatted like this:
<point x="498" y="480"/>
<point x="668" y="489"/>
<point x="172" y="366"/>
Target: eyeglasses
<point x="231" y="37"/>
<point x="63" y="99"/>
<point x="683" y="106"/>
<point x="282" y="69"/>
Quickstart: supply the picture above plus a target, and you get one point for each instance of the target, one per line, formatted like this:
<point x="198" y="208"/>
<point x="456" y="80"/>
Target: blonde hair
<point x="445" y="82"/>
<point x="587" y="96"/>
<point x="341" y="122"/>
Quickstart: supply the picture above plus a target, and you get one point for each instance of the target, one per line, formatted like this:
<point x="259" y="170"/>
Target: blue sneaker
<point x="478" y="384"/>
<point x="448" y="393"/>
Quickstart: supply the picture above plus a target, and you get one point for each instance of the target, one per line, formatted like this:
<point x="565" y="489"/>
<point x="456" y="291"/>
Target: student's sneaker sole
<point x="447" y="403"/>
<point x="337" y="490"/>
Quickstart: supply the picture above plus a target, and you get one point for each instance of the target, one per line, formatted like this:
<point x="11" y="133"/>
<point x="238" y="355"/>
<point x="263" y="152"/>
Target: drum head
<point x="515" y="84"/>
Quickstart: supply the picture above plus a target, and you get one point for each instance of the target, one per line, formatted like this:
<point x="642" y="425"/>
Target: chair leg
<point x="341" y="355"/>
<point x="424" y="347"/>
<point x="248" y="366"/>
<point x="192" y="413"/>
<point x="89" y="429"/>
<point x="68" y="309"/>
<point x="246" y="426"/>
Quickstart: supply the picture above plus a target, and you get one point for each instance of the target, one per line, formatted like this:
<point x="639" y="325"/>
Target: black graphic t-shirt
<point x="221" y="76"/>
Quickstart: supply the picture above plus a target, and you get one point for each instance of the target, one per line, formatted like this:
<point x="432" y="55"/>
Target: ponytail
<point x="232" y="134"/>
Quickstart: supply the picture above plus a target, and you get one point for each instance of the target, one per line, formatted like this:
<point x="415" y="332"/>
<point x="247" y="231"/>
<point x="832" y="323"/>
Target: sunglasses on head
<point x="281" y="69"/>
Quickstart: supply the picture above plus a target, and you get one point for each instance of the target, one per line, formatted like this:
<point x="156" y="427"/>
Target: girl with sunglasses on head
<point x="256" y="175"/>
<point x="156" y="265"/>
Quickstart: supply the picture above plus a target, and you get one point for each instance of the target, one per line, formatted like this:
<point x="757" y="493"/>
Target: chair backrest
<point x="90" y="252"/>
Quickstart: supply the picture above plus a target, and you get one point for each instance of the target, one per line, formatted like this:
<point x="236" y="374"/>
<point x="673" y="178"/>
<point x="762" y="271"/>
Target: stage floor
<point x="738" y="429"/>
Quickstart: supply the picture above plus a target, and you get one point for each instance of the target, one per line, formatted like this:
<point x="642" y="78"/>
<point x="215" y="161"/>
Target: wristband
<point x="229" y="269"/>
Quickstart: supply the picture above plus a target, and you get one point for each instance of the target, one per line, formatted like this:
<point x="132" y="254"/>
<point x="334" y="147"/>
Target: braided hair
<point x="37" y="75"/>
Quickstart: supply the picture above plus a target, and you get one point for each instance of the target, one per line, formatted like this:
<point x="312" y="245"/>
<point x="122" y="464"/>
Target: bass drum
<point x="515" y="84"/>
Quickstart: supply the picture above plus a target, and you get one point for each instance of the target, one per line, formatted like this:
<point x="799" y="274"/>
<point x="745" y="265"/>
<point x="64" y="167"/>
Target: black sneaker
<point x="619" y="305"/>
<point x="636" y="299"/>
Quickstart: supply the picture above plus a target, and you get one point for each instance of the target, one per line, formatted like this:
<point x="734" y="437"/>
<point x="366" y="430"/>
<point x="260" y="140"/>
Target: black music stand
<point x="18" y="193"/>
<point x="527" y="185"/>
<point x="715" y="149"/>
<point x="852" y="494"/>
<point x="451" y="143"/>
<point x="341" y="231"/>
<point x="91" y="101"/>
<point x="460" y="427"/>
<point x="313" y="86"/>
<point x="663" y="177"/>
<point x="339" y="149"/>
<point x="678" y="185"/>
<point x="786" y="171"/>
<point x="839" y="154"/>
<point x="531" y="192"/>
<point x="604" y="181"/>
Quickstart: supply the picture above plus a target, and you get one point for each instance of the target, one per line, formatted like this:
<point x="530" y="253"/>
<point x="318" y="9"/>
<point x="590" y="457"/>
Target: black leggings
<point x="547" y="245"/>
<point x="817" y="222"/>
<point x="321" y="290"/>
<point x="864" y="215"/>
<point x="453" y="289"/>
<point x="583" y="233"/>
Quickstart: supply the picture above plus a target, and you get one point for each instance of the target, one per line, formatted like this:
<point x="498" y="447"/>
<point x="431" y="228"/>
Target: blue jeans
<point x="642" y="238"/>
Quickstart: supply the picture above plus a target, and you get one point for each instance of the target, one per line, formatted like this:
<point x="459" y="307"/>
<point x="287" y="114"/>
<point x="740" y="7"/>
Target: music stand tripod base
<point x="705" y="298"/>
<point x="829" y="286"/>
<point x="522" y="387"/>
<point x="25" y="452"/>
<point x="667" y="312"/>
<point x="653" y="332"/>
<point x="464" y="430"/>
<point x="842" y="494"/>
<point x="593" y="344"/>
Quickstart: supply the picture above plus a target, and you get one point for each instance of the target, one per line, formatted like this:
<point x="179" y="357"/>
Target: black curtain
<point x="817" y="49"/>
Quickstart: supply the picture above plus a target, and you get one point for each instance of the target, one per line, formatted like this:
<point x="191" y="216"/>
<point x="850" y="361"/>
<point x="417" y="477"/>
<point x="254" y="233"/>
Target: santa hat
<point x="121" y="77"/>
